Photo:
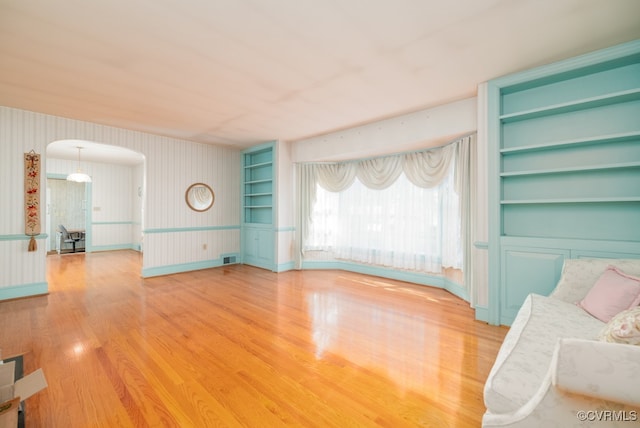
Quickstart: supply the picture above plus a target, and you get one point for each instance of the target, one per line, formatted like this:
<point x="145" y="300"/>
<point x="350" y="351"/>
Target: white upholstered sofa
<point x="561" y="366"/>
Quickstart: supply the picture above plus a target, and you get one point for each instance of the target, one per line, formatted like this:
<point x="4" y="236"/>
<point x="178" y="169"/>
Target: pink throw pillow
<point x="612" y="293"/>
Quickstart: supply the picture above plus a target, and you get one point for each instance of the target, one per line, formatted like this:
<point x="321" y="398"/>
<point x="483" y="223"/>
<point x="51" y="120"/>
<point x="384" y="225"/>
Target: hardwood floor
<point x="240" y="346"/>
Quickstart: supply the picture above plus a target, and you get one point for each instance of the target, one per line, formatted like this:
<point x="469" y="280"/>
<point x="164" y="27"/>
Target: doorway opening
<point x="104" y="214"/>
<point x="66" y="215"/>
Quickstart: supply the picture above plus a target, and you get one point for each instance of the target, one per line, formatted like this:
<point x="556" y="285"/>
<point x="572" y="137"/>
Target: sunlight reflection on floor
<point x="377" y="336"/>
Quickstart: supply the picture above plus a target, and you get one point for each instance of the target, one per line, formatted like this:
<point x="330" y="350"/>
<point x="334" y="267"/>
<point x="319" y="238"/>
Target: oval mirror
<point x="199" y="197"/>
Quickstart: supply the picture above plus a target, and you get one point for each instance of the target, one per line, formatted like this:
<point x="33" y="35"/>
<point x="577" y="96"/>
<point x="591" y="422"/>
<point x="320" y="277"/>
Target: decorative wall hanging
<point x="32" y="197"/>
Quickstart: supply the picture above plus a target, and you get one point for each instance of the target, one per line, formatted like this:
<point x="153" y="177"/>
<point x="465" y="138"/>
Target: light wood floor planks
<point x="240" y="346"/>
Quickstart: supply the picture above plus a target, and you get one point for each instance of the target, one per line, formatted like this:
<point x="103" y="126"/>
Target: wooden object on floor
<point x="241" y="346"/>
<point x="9" y="413"/>
<point x="12" y="411"/>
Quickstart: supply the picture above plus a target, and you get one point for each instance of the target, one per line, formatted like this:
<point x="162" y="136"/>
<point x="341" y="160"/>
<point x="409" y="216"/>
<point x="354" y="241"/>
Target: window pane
<point x="403" y="226"/>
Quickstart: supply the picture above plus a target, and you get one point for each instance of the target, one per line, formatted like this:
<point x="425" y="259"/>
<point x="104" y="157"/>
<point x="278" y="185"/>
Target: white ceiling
<point x="241" y="72"/>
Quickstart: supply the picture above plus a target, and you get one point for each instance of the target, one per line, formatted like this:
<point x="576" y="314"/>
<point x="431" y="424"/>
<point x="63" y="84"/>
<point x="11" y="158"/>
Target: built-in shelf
<point x="258" y="181"/>
<point x="572" y="106"/>
<point x="604" y="139"/>
<point x="564" y="171"/>
<point x="258" y="185"/>
<point x="570" y="200"/>
<point x="258" y="206"/>
<point x="258" y="165"/>
<point x="585" y="169"/>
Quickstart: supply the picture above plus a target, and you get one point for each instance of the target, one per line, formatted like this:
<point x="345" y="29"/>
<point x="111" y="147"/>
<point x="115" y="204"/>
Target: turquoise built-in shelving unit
<point x="564" y="171"/>
<point x="258" y="173"/>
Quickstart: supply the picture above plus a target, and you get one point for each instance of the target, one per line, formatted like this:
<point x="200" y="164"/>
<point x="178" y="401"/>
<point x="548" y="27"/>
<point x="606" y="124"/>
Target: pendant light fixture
<point x="79" y="176"/>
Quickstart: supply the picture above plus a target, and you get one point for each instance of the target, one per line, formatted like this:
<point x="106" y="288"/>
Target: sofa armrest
<point x="584" y="377"/>
<point x="608" y="371"/>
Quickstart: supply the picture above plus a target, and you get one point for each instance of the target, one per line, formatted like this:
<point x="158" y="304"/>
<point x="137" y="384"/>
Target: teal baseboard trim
<point x="191" y="229"/>
<point x="283" y="267"/>
<point x="456" y="289"/>
<point x="24" y="290"/>
<point x="507" y="320"/>
<point x="482" y="313"/>
<point x="188" y="267"/>
<point x="23" y="237"/>
<point x="253" y="261"/>
<point x="413" y="277"/>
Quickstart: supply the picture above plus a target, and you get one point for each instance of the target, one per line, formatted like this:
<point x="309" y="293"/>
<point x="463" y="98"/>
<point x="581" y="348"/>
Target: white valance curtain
<point x="425" y="169"/>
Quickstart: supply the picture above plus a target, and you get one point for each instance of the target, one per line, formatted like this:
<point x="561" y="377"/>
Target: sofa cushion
<point x="579" y="275"/>
<point x="612" y="293"/>
<point x="525" y="355"/>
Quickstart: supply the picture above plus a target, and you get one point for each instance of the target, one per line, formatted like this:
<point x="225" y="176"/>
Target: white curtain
<point x="379" y="173"/>
<point x="305" y="194"/>
<point x="333" y="177"/>
<point x="422" y="200"/>
<point x="424" y="169"/>
<point x="465" y="173"/>
<point x="401" y="227"/>
<point x="427" y="169"/>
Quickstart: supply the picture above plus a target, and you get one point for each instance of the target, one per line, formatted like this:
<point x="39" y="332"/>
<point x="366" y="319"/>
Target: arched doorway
<point x="109" y="208"/>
